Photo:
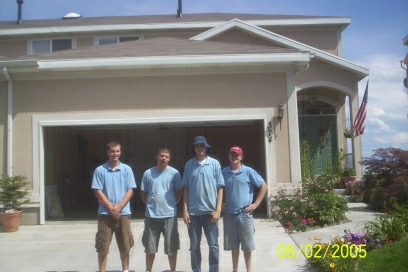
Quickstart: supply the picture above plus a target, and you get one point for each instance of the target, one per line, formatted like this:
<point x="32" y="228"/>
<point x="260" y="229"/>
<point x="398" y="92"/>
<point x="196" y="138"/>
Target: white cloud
<point x="378" y="111"/>
<point x="400" y="138"/>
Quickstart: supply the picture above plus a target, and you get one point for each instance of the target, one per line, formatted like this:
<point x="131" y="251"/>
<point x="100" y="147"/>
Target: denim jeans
<point x="197" y="223"/>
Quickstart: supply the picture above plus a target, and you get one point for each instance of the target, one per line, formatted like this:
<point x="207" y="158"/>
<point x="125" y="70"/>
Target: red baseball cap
<point x="236" y="149"/>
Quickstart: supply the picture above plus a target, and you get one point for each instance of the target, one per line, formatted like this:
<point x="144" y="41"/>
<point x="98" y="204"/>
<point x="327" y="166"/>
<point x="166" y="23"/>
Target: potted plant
<point x="347" y="133"/>
<point x="12" y="196"/>
<point x="348" y="175"/>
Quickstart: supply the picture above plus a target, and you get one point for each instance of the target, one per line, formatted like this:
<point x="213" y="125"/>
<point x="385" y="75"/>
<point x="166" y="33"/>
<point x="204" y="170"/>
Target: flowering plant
<point x="356" y="188"/>
<point x="351" y="244"/>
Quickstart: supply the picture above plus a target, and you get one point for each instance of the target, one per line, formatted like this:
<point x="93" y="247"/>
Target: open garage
<point x="72" y="153"/>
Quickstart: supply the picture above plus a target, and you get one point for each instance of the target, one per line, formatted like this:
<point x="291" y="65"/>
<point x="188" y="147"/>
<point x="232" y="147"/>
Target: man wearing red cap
<point x="240" y="181"/>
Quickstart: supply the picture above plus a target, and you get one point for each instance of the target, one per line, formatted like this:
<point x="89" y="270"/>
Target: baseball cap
<point x="236" y="149"/>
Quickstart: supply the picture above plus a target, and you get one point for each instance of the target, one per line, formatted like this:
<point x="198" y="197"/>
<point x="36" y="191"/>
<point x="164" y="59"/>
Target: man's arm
<point x="179" y="194"/>
<point x="217" y="213"/>
<point x="143" y="195"/>
<point x="115" y="211"/>
<point x="103" y="199"/>
<point x="186" y="216"/>
<point x="259" y="198"/>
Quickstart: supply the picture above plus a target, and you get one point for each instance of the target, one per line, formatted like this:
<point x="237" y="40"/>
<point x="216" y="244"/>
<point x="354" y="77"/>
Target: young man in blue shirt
<point x="202" y="200"/>
<point x="161" y="190"/>
<point x="113" y="183"/>
<point x="240" y="181"/>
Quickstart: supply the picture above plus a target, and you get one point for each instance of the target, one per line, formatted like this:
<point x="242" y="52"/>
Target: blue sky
<point x="373" y="39"/>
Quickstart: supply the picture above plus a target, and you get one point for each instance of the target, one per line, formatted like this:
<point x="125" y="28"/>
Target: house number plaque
<point x="269" y="132"/>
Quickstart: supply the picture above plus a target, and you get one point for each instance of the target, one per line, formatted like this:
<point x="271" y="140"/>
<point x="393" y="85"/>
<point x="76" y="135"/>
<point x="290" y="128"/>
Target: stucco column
<point x="293" y="129"/>
<point x="355" y="142"/>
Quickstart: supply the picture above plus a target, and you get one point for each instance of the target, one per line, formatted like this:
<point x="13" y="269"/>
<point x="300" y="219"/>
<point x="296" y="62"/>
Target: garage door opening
<point x="71" y="155"/>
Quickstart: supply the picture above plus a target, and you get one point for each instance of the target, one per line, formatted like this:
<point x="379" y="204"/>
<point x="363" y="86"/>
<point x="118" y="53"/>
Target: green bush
<point x="387" y="227"/>
<point x="386" y="178"/>
<point x="314" y="203"/>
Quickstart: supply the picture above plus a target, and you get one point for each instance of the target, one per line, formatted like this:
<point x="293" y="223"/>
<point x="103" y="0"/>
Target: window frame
<point x="30" y="48"/>
<point x="96" y="39"/>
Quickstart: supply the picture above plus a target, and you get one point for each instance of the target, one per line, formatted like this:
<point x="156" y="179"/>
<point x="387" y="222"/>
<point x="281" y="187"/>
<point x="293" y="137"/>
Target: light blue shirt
<point x="202" y="182"/>
<point x="160" y="187"/>
<point x="114" y="185"/>
<point x="239" y="187"/>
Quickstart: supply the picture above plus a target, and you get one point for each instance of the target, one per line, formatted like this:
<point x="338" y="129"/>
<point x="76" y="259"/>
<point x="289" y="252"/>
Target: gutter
<point x="9" y="122"/>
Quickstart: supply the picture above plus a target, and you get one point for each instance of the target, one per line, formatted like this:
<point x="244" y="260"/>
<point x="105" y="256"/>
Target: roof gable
<point x="360" y="71"/>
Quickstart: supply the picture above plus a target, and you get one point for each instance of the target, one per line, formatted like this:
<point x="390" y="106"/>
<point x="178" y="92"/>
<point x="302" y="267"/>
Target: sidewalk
<point x="69" y="246"/>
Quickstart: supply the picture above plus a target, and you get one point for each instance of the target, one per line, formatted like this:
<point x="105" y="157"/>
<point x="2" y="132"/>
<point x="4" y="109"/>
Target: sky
<point x="374" y="39"/>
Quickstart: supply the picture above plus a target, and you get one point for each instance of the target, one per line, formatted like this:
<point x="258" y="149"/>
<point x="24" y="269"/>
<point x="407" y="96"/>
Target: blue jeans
<point x="197" y="223"/>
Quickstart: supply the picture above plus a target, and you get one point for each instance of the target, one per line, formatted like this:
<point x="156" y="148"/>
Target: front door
<point x="321" y="134"/>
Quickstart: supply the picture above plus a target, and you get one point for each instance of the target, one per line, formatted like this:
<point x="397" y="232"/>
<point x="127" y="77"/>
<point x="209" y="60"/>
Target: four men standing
<point x="161" y="190"/>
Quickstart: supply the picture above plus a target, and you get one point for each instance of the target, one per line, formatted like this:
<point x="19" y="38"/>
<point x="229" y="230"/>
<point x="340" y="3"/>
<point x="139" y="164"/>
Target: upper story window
<point x="49" y="45"/>
<point x="109" y="40"/>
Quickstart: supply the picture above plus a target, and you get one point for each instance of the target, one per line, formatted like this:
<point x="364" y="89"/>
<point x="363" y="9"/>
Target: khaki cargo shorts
<point x="107" y="225"/>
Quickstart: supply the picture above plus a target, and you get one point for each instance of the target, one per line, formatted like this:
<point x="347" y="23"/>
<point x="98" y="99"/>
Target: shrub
<point x="315" y="203"/>
<point x="387" y="227"/>
<point x="348" y="172"/>
<point x="386" y="178"/>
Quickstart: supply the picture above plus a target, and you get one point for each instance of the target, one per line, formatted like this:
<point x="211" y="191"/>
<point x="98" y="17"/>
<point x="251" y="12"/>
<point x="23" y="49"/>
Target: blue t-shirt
<point x="202" y="182"/>
<point x="114" y="185"/>
<point x="239" y="187"/>
<point x="160" y="187"/>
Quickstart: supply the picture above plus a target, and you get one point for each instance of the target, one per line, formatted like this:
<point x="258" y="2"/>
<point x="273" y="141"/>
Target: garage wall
<point x="135" y="94"/>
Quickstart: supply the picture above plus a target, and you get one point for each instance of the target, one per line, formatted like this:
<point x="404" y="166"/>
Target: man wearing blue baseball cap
<point x="202" y="200"/>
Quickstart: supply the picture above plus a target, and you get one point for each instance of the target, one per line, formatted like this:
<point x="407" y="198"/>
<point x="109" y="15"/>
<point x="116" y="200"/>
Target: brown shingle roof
<point x="148" y="19"/>
<point x="163" y="46"/>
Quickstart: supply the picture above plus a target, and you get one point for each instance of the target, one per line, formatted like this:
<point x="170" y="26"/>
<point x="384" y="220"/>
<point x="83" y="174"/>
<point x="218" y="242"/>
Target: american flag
<point x="359" y="121"/>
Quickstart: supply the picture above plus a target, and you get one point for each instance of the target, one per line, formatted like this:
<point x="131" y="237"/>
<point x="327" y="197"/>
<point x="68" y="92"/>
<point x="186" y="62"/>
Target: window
<point x="109" y="40"/>
<point x="46" y="46"/>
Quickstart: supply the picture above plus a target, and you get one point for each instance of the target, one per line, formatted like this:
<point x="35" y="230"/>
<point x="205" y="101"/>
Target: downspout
<point x="9" y="122"/>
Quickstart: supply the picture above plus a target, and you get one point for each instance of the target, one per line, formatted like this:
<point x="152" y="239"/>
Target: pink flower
<point x="289" y="224"/>
<point x="311" y="205"/>
<point x="304" y="221"/>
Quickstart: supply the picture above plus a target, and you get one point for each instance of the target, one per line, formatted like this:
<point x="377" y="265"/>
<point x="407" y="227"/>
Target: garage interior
<point x="73" y="153"/>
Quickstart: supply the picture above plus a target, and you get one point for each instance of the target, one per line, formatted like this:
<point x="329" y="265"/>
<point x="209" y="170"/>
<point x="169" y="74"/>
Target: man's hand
<point x="251" y="208"/>
<point x="114" y="210"/>
<point x="186" y="218"/>
<point x="216" y="216"/>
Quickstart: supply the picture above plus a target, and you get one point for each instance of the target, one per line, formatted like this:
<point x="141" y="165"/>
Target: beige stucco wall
<point x="323" y="39"/>
<point x="239" y="36"/>
<point x="323" y="72"/>
<point x="144" y="93"/>
<point x="13" y="48"/>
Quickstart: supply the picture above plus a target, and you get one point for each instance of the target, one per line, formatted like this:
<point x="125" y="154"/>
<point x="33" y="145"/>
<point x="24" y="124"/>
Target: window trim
<point x="30" y="49"/>
<point x="96" y="39"/>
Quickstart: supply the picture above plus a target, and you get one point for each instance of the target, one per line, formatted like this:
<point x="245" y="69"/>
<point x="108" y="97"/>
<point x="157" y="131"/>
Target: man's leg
<point x="235" y="259"/>
<point x="149" y="261"/>
<point x="124" y="257"/>
<point x="124" y="239"/>
<point x="211" y="233"/>
<point x="248" y="260"/>
<point x="195" y="232"/>
<point x="173" y="262"/>
<point x="102" y="262"/>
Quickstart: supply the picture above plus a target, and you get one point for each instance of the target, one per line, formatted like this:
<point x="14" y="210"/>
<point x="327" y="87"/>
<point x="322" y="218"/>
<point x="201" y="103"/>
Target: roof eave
<point x="342" y="22"/>
<point x="299" y="59"/>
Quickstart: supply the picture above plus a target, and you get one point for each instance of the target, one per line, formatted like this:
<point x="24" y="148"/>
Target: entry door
<point x="320" y="131"/>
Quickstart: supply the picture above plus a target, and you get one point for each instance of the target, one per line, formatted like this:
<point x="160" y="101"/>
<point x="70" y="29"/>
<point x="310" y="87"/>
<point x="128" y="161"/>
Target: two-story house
<point x="263" y="82"/>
